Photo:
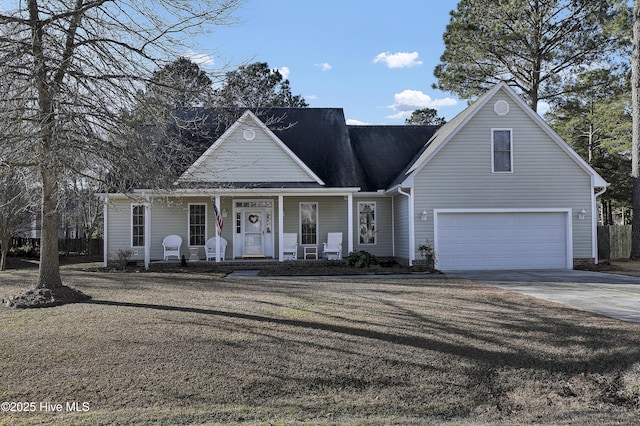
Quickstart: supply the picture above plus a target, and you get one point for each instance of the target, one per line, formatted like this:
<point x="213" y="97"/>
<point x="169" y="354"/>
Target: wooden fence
<point x="614" y="242"/>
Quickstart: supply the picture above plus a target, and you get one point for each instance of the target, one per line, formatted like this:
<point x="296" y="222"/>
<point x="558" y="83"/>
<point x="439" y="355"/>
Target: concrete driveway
<point x="615" y="296"/>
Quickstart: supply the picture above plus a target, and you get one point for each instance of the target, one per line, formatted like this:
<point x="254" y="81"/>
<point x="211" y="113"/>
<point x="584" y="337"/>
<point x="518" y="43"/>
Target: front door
<point x="253" y="232"/>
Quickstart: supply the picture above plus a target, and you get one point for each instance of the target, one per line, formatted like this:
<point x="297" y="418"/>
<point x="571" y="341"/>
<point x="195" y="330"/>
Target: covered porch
<point x="238" y="225"/>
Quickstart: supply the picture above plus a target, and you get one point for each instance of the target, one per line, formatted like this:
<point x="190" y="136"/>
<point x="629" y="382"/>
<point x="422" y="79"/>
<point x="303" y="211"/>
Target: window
<point x="367" y="222"/>
<point x="197" y="224"/>
<point x="137" y="225"/>
<point x="309" y="223"/>
<point x="502" y="151"/>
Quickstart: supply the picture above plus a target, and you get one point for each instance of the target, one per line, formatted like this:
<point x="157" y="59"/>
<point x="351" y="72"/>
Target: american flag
<point x="219" y="221"/>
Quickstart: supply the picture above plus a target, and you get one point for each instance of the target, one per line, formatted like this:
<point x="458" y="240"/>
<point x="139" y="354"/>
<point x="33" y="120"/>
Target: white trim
<point x="471" y="111"/>
<point x="248" y="115"/>
<point x="375" y="222"/>
<point x="501" y="107"/>
<point x="493" y="132"/>
<point x="412" y="232"/>
<point x="147" y="235"/>
<point x="105" y="230"/>
<point x="218" y="209"/>
<point x="242" y="192"/>
<point x="131" y="208"/>
<point x="566" y="211"/>
<point x="349" y="223"/>
<point x="317" y="221"/>
<point x="206" y="224"/>
<point x="280" y="228"/>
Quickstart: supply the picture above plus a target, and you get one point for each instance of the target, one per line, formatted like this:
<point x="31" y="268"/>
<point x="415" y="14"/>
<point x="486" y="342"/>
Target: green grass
<point x="171" y="348"/>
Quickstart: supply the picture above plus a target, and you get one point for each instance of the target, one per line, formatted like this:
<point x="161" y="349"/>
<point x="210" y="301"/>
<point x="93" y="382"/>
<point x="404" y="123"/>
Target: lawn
<point x="197" y="348"/>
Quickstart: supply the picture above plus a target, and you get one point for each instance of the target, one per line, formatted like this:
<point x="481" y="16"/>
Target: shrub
<point x="361" y="259"/>
<point x="428" y="254"/>
<point x="25" y="251"/>
<point x="122" y="258"/>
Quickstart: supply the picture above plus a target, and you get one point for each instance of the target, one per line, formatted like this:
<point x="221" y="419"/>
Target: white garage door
<point x="502" y="240"/>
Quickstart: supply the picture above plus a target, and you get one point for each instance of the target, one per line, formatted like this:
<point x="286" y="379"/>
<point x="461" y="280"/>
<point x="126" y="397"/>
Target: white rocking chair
<point x="210" y="248"/>
<point x="333" y="247"/>
<point x="290" y="246"/>
<point x="171" y="245"/>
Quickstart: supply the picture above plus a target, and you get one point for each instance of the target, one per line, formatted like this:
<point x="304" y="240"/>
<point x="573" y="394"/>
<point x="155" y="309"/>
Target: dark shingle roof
<point x="383" y="152"/>
<point x="369" y="157"/>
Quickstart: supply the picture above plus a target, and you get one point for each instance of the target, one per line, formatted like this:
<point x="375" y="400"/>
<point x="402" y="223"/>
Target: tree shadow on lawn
<point x="613" y="359"/>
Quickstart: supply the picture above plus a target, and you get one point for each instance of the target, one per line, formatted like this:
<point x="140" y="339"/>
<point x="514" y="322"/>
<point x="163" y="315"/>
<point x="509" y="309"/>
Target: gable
<point x="535" y="145"/>
<point x="536" y="158"/>
<point x="248" y="152"/>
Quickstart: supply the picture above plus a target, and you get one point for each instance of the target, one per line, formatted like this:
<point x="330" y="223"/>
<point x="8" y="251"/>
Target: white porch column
<point x="410" y="218"/>
<point x="147" y="235"/>
<point x="280" y="227"/>
<point x="349" y="223"/>
<point x="218" y="232"/>
<point x="412" y="228"/>
<point x="105" y="230"/>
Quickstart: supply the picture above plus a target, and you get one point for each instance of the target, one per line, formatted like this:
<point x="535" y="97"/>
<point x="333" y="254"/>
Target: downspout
<point x="412" y="236"/>
<point x="594" y="224"/>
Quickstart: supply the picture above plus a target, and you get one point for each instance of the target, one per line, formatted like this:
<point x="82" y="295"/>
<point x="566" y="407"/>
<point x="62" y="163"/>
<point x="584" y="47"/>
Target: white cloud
<point x="201" y="59"/>
<point x="543" y="107"/>
<point x="399" y="115"/>
<point x="408" y="101"/>
<point x="324" y="66"/>
<point x="284" y="71"/>
<point x="353" y="122"/>
<point x="398" y="60"/>
<point x="311" y="97"/>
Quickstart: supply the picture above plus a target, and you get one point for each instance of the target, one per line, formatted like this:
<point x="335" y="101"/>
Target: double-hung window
<point x="197" y="224"/>
<point x="309" y="223"/>
<point x="502" y="151"/>
<point x="137" y="225"/>
<point x="367" y="222"/>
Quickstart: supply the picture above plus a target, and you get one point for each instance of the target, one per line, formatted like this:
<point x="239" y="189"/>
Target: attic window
<point x="501" y="107"/>
<point x="249" y="134"/>
<point x="502" y="150"/>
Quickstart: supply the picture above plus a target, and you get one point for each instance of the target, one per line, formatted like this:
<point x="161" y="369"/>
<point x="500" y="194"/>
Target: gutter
<point x="412" y="237"/>
<point x="594" y="224"/>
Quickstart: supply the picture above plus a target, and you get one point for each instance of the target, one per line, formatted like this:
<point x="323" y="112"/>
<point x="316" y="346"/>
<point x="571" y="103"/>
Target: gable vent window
<point x="249" y="134"/>
<point x="502" y="151"/>
<point x="501" y="107"/>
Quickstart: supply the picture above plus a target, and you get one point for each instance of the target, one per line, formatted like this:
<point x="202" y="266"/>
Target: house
<point x="494" y="188"/>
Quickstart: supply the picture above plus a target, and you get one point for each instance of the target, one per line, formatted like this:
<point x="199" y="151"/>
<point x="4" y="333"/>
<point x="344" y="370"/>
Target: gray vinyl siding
<point x="119" y="229"/>
<point x="401" y="229"/>
<point x="167" y="218"/>
<point x="332" y="217"/>
<point x="544" y="176"/>
<point x="384" y="227"/>
<point x="239" y="160"/>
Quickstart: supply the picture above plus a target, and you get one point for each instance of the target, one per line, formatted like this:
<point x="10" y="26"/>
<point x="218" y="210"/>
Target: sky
<point x="374" y="59"/>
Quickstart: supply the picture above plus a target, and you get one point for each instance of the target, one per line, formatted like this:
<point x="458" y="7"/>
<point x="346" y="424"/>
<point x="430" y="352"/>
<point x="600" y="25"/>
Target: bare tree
<point x="79" y="64"/>
<point x="16" y="207"/>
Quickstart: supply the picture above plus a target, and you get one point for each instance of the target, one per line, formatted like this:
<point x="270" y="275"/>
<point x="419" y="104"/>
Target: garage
<point x="502" y="239"/>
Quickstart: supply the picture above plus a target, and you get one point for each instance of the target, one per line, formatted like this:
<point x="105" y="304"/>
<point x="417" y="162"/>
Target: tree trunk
<point x="49" y="274"/>
<point x="635" y="141"/>
<point x="4" y="246"/>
